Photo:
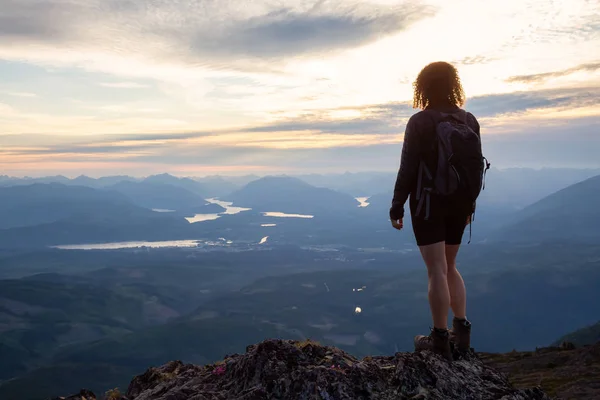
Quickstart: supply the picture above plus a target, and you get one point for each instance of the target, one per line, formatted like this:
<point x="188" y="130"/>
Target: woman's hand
<point x="398" y="223"/>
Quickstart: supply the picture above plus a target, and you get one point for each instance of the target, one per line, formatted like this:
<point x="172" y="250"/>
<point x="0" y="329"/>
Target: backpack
<point x="461" y="166"/>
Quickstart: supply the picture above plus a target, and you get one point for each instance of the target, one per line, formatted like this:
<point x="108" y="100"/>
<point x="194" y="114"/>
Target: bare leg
<point x="456" y="285"/>
<point x="434" y="256"/>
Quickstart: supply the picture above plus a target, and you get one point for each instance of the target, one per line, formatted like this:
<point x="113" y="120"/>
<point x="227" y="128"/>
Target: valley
<point x="101" y="285"/>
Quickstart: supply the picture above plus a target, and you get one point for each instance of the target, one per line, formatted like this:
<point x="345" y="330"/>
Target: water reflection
<point x="268" y="225"/>
<point x="285" y="215"/>
<point x="202" y="217"/>
<point x="229" y="210"/>
<point x="363" y="201"/>
<point x="129" y="245"/>
<point x="162" y="210"/>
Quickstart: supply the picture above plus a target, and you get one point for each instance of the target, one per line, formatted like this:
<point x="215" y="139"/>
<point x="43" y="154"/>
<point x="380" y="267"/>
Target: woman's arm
<point x="407" y="174"/>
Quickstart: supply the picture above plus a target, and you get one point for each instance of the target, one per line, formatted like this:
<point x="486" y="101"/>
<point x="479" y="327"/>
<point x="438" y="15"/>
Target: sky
<point x="233" y="87"/>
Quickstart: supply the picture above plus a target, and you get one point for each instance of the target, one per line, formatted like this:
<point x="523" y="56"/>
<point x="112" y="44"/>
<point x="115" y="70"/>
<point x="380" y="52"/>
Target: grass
<point x="113" y="394"/>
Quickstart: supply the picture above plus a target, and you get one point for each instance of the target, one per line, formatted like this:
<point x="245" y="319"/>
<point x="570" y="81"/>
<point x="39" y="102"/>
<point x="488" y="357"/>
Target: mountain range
<point x="515" y="187"/>
<point x="291" y="195"/>
<point x="342" y="277"/>
<point x="156" y="195"/>
<point x="571" y="214"/>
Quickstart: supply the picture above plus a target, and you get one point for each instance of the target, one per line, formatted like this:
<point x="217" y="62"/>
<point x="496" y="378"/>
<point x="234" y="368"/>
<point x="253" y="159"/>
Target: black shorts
<point x="449" y="229"/>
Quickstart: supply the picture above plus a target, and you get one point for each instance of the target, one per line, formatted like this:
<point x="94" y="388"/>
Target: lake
<point x="203" y="217"/>
<point x="285" y="215"/>
<point x="363" y="201"/>
<point x="144" y="244"/>
<point x="231" y="210"/>
<point x="129" y="245"/>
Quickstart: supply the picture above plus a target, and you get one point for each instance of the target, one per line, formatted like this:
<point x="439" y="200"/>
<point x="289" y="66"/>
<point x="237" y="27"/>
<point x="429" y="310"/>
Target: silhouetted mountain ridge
<point x="582" y="337"/>
<point x="188" y="184"/>
<point x="571" y="214"/>
<point x="56" y="214"/>
<point x="39" y="203"/>
<point x="153" y="194"/>
<point x="291" y="195"/>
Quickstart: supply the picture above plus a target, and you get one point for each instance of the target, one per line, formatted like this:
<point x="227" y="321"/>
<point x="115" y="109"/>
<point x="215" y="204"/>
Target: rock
<point x="283" y="369"/>
<point x="82" y="395"/>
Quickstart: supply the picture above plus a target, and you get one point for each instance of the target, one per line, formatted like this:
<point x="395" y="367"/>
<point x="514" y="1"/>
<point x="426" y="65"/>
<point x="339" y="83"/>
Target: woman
<point x="438" y="232"/>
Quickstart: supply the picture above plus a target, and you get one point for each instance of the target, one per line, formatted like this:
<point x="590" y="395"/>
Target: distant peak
<point x="163" y="175"/>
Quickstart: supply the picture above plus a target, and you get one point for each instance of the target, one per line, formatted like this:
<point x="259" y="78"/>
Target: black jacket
<point x="419" y="137"/>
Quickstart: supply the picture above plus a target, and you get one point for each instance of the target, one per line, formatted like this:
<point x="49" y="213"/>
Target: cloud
<point x="390" y="118"/>
<point x="21" y="94"/>
<point x="473" y="60"/>
<point x="207" y="32"/>
<point x="5" y="109"/>
<point x="373" y="119"/>
<point x="271" y="82"/>
<point x="48" y="20"/>
<point x="287" y="32"/>
<point x="124" y="85"/>
<point x="542" y="146"/>
<point x="536" y="78"/>
<point x="517" y="114"/>
<point x="521" y="102"/>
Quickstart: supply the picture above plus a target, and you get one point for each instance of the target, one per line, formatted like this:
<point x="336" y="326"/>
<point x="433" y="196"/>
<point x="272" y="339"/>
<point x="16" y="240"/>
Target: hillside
<point x="280" y="369"/>
<point x="562" y="372"/>
<point x="54" y="214"/>
<point x="571" y="214"/>
<point x="38" y="317"/>
<point x="507" y="296"/>
<point x="188" y="184"/>
<point x="582" y="337"/>
<point x="291" y="195"/>
<point x="85" y="229"/>
<point x="29" y="205"/>
<point x="521" y="187"/>
<point x="155" y="195"/>
<point x="321" y="305"/>
<point x="361" y="184"/>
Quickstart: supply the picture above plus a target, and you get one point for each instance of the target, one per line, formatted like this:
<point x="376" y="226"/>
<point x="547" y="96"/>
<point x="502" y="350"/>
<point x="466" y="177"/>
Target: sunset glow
<point x="201" y="87"/>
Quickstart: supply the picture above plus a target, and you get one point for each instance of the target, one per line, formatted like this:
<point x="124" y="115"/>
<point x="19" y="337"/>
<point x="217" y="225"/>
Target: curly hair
<point x="438" y="83"/>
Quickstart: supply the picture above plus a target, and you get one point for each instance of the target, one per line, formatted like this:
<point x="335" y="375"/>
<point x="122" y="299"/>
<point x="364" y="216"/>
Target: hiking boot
<point x="438" y="342"/>
<point x="460" y="335"/>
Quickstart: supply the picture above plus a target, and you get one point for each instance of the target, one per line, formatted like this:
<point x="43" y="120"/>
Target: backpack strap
<point x="487" y="166"/>
<point x="423" y="194"/>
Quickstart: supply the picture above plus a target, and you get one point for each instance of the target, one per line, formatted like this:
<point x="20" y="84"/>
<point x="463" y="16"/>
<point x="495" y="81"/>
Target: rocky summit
<point x="284" y="369"/>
